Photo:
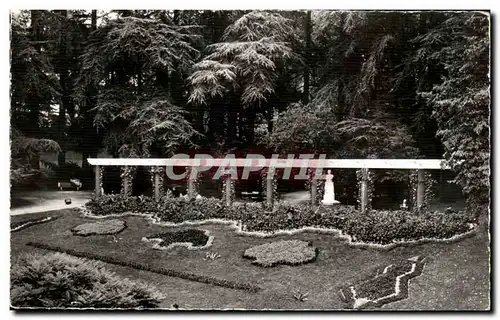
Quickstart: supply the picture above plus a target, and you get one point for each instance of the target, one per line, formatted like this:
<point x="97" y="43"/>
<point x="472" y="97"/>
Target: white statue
<point x="329" y="196"/>
<point x="403" y="206"/>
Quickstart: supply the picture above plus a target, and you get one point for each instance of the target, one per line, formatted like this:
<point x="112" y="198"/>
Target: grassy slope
<point x="457" y="276"/>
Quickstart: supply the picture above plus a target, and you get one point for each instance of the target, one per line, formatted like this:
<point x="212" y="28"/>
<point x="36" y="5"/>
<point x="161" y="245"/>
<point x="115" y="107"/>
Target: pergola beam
<point x="364" y="164"/>
<point x="277" y="163"/>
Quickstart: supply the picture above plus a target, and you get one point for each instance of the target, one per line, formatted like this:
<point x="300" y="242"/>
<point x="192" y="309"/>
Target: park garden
<point x="396" y="104"/>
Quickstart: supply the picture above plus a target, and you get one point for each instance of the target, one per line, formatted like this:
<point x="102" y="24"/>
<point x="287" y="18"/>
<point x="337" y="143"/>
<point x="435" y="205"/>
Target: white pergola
<point x="365" y="164"/>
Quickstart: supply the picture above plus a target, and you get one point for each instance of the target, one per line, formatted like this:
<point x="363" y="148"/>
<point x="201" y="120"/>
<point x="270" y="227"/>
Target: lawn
<point x="455" y="277"/>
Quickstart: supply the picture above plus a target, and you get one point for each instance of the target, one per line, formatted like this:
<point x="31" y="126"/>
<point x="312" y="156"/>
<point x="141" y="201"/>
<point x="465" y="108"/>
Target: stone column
<point x="192" y="176"/>
<point x="97" y="181"/>
<point x="228" y="189"/>
<point x="125" y="182"/>
<point x="269" y="187"/>
<point x="157" y="183"/>
<point x="420" y="188"/>
<point x="364" y="189"/>
<point x="314" y="191"/>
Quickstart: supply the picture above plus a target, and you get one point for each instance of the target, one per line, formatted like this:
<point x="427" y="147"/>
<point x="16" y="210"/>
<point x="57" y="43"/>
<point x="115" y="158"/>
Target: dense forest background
<point x="351" y="84"/>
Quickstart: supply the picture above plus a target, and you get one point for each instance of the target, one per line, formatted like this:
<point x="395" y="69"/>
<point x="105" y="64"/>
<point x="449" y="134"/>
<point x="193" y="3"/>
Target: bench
<point x="73" y="183"/>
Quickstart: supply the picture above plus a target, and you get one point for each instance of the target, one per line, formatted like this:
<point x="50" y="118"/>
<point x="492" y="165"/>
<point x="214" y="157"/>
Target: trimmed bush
<point x="385" y="227"/>
<point x="61" y="281"/>
<point x="293" y="252"/>
<point x="105" y="227"/>
<point x="374" y="226"/>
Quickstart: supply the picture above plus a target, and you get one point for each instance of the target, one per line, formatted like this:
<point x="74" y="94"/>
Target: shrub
<point x="61" y="281"/>
<point x="285" y="216"/>
<point x="211" y="256"/>
<point x="182" y="209"/>
<point x="99" y="228"/>
<point x="375" y="226"/>
<point x="384" y="227"/>
<point x="291" y="252"/>
<point x="300" y="296"/>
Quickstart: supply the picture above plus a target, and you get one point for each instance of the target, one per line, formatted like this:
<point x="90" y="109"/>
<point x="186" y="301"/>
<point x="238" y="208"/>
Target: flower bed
<point x="293" y="252"/>
<point x="107" y="227"/>
<point x="388" y="283"/>
<point x="191" y="238"/>
<point x="374" y="226"/>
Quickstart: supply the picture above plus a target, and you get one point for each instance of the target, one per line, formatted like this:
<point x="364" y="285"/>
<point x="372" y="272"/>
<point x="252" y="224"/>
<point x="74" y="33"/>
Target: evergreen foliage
<point x="352" y="84"/>
<point x="255" y="47"/>
<point x="461" y="102"/>
<point x="61" y="281"/>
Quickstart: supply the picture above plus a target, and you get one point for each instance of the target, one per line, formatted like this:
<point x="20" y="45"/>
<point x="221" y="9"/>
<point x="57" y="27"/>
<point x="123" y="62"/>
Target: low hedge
<point x="143" y="266"/>
<point x="375" y="226"/>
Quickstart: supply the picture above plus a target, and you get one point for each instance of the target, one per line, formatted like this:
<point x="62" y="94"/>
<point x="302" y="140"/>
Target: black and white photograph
<point x="250" y="160"/>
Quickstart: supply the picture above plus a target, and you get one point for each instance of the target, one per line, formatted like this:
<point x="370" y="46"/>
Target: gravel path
<point x="39" y="201"/>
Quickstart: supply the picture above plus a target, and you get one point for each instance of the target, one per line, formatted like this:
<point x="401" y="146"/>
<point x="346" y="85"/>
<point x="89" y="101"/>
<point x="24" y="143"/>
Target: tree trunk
<point x="90" y="147"/>
<point x="269" y="117"/>
<point x="341" y="112"/>
<point x="65" y="86"/>
<point x="176" y="17"/>
<point x="232" y="121"/>
<point x="93" y="24"/>
<point x="250" y="126"/>
<point x="61" y="158"/>
<point x="216" y="120"/>
<point x="139" y="78"/>
<point x="32" y="102"/>
<point x="308" y="30"/>
<point x="162" y="79"/>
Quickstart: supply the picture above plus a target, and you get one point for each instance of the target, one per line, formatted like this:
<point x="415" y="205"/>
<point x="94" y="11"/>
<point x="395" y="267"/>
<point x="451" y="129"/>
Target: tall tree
<point x="126" y="59"/>
<point x="34" y="86"/>
<point x="245" y="66"/>
<point x="62" y="66"/>
<point x="461" y="102"/>
<point x="307" y="56"/>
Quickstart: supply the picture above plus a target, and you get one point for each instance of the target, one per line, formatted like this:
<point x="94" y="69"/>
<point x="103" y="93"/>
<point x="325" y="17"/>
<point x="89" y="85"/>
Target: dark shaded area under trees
<point x="150" y="83"/>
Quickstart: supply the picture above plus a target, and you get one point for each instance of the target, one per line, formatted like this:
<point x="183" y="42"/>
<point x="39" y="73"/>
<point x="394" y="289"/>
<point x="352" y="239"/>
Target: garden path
<point x="40" y="201"/>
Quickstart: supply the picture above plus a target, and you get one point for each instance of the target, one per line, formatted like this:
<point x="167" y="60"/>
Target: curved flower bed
<point x="292" y="252"/>
<point x="387" y="283"/>
<point x="106" y="227"/>
<point x="193" y="239"/>
<point x="382" y="227"/>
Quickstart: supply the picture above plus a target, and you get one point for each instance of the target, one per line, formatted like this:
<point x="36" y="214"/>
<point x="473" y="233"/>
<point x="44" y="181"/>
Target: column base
<point x="329" y="202"/>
